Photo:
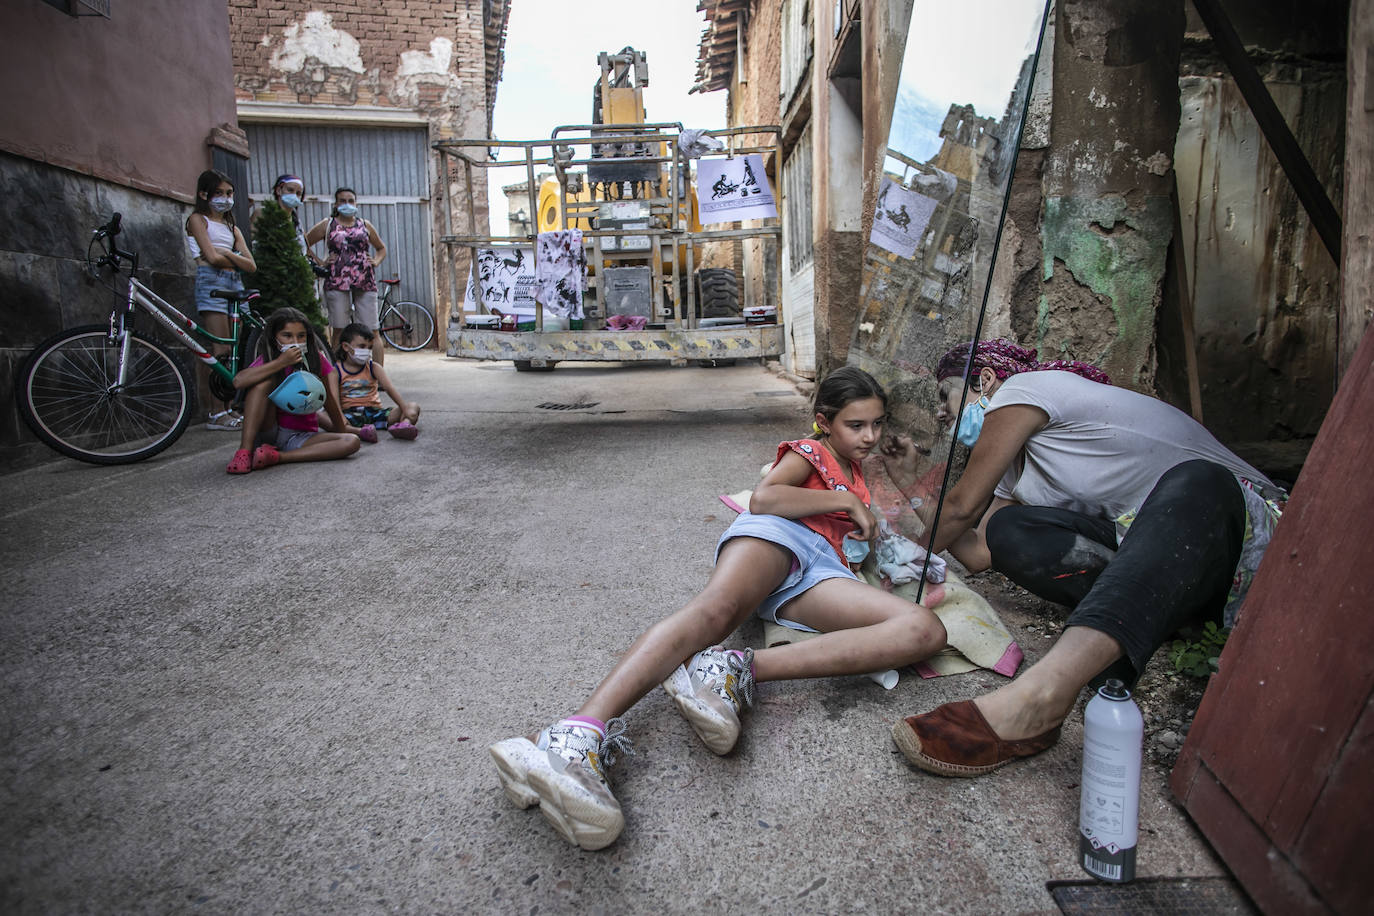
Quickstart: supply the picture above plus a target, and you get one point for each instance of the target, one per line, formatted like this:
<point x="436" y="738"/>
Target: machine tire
<point x="717" y="292"/>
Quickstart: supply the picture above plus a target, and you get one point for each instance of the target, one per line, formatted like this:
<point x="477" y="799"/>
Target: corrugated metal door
<point x="798" y="263"/>
<point x="386" y="167"/>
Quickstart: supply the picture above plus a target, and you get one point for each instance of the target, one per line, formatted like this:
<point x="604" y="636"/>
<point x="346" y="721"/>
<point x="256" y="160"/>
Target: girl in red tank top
<point x="784" y="560"/>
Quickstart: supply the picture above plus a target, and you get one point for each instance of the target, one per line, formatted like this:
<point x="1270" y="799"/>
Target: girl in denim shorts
<point x="783" y="560"/>
<point x="220" y="253"/>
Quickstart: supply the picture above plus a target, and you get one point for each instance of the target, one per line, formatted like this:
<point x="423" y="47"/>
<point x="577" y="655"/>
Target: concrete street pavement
<point x="274" y="693"/>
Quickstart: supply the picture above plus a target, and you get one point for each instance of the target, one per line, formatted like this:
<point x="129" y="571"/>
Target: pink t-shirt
<point x="305" y="423"/>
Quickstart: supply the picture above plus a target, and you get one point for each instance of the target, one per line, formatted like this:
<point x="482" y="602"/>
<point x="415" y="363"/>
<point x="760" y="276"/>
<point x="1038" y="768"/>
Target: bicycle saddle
<point x="234" y="295"/>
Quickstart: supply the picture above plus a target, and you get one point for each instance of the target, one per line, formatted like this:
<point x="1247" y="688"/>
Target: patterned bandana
<point x="1006" y="358"/>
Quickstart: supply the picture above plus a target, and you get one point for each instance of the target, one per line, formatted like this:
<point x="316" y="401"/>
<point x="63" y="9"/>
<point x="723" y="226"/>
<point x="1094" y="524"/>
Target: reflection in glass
<point x="961" y="101"/>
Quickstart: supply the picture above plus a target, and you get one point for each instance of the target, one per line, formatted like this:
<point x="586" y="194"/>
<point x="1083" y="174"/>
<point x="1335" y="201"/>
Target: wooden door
<point x="1278" y="769"/>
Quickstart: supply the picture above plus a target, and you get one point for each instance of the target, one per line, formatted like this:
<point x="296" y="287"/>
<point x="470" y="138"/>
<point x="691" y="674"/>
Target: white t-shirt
<point x="221" y="236"/>
<point x="1104" y="448"/>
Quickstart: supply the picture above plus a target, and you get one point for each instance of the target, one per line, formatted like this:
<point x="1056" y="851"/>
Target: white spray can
<point x="1113" y="731"/>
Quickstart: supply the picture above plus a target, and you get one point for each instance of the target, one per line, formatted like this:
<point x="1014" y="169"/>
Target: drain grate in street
<point x="773" y="394"/>
<point x="1149" y="896"/>
<point x="580" y="405"/>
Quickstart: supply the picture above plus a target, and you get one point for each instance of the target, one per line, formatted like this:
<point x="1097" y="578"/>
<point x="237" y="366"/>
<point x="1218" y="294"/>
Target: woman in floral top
<point x="350" y="291"/>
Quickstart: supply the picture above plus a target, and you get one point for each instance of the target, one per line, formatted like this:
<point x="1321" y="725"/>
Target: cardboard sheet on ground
<point x="734" y="189"/>
<point x="977" y="636"/>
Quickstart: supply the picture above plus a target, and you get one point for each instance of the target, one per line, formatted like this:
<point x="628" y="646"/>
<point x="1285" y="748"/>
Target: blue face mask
<point x="854" y="550"/>
<point x="347" y="210"/>
<point x="971" y="421"/>
<point x="291" y="200"/>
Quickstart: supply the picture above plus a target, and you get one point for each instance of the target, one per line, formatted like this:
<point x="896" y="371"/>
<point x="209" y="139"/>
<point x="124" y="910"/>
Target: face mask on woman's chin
<point x="971" y="421"/>
<point x="291" y="201"/>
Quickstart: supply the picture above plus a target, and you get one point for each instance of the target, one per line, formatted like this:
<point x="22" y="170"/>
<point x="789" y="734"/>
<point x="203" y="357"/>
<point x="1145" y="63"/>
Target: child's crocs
<point x="404" y="430"/>
<point x="241" y="463"/>
<point x="367" y="433"/>
<point x="264" y="456"/>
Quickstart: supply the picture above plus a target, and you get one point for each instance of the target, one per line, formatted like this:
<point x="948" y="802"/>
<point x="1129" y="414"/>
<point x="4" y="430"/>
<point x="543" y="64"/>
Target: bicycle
<point x="406" y="325"/>
<point x="108" y="394"/>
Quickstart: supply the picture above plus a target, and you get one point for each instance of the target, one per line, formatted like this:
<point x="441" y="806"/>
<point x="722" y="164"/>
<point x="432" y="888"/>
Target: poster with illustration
<point x="507" y="278"/>
<point x="734" y="189"/>
<point x="560" y="265"/>
<point x="901" y="218"/>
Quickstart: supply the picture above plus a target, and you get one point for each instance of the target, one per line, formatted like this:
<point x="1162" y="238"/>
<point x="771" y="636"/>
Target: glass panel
<point x="956" y="126"/>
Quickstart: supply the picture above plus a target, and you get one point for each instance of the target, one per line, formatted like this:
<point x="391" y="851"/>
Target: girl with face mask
<point x="220" y="253"/>
<point x="1110" y="502"/>
<point x="288" y="192"/>
<point x="361" y="382"/>
<point x="355" y="251"/>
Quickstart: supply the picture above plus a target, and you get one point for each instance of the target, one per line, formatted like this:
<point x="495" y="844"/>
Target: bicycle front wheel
<point x="66" y="393"/>
<point x="407" y="325"/>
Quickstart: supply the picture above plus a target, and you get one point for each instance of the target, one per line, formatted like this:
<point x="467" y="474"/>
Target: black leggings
<point x="1174" y="567"/>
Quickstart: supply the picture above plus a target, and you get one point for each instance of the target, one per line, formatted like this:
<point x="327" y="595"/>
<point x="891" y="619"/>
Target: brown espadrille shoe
<point x="955" y="740"/>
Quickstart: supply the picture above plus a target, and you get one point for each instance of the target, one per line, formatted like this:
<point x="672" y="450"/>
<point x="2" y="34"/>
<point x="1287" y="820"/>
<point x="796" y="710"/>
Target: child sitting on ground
<point x="360" y="377"/>
<point x="782" y="560"/>
<point x="289" y="351"/>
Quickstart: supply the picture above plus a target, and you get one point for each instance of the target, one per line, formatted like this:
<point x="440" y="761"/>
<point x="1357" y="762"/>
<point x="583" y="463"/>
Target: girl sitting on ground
<point x="360" y="378"/>
<point x="287" y="347"/>
<point x="783" y="560"/>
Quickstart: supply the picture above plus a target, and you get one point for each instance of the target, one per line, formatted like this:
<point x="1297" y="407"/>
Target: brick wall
<point x="425" y="57"/>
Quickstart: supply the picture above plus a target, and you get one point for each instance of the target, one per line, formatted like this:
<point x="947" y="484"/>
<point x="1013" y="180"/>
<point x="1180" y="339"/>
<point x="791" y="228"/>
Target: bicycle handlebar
<point x="110" y="229"/>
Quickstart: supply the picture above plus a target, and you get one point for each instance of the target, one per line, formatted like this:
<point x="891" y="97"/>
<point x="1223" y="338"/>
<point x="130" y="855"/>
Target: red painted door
<point x="1278" y="769"/>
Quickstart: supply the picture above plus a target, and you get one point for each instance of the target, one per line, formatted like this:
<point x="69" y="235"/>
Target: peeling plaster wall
<point x="1107" y="212"/>
<point x="439" y="59"/>
<point x="429" y="58"/>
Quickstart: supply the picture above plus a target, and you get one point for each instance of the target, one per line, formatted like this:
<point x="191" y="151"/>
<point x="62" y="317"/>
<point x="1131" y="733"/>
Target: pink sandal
<point x="241" y="463"/>
<point x="367" y="433"/>
<point x="264" y="456"/>
<point x="404" y="430"/>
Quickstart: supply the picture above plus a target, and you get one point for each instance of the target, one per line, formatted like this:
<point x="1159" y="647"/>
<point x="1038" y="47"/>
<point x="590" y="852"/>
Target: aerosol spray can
<point x="1112" y="736"/>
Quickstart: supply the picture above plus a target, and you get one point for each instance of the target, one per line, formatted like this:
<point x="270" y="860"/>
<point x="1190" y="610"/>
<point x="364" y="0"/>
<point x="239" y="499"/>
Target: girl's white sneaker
<point x="564" y="771"/>
<point x="711" y="691"/>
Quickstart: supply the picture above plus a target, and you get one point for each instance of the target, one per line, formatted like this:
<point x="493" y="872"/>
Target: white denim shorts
<point x="814" y="560"/>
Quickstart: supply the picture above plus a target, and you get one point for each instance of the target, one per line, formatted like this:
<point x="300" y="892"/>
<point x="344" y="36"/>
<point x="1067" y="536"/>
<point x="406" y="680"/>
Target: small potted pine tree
<point x="284" y="276"/>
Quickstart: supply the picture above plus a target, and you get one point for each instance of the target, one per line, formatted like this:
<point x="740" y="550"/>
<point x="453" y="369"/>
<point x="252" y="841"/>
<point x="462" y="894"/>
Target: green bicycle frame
<point x="173" y="320"/>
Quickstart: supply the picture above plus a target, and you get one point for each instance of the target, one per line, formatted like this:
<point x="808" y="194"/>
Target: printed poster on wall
<point x="507" y="277"/>
<point x="733" y="189"/>
<point x="901" y="218"/>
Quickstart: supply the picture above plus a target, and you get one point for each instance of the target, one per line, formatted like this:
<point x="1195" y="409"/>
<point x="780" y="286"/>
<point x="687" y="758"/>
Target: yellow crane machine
<point x="628" y="185"/>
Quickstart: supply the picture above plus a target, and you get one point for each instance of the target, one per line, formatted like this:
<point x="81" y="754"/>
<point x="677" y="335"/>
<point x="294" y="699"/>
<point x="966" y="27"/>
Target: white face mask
<point x="221" y="204"/>
<point x="362" y="355"/>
